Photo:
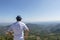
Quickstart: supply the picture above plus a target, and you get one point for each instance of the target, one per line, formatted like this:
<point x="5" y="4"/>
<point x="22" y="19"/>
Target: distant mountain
<point x="56" y="29"/>
<point x="45" y="27"/>
<point x="4" y="24"/>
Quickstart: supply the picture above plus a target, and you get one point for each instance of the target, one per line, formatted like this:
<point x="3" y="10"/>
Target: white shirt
<point x="18" y="29"/>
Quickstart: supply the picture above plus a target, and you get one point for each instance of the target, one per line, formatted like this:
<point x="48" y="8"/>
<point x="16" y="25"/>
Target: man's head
<point x="18" y="18"/>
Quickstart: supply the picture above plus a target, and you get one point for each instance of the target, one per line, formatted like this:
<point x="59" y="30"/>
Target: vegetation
<point x="35" y="37"/>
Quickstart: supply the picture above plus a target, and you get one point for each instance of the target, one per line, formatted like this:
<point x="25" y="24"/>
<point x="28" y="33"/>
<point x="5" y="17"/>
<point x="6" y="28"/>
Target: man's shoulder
<point x="22" y="23"/>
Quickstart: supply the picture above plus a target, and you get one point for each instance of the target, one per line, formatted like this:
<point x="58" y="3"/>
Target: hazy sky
<point x="30" y="10"/>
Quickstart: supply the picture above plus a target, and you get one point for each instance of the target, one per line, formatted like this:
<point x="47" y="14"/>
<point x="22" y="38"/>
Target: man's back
<point x="18" y="29"/>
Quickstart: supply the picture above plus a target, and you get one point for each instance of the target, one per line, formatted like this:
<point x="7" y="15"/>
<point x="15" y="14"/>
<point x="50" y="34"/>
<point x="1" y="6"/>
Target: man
<point x="18" y="29"/>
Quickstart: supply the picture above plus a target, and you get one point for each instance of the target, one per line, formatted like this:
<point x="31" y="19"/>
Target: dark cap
<point x="18" y="17"/>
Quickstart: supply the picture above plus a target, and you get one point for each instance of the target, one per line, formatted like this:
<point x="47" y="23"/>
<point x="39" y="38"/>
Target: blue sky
<point x="30" y="10"/>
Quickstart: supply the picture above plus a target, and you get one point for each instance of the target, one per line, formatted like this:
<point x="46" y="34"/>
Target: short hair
<point x="18" y="18"/>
